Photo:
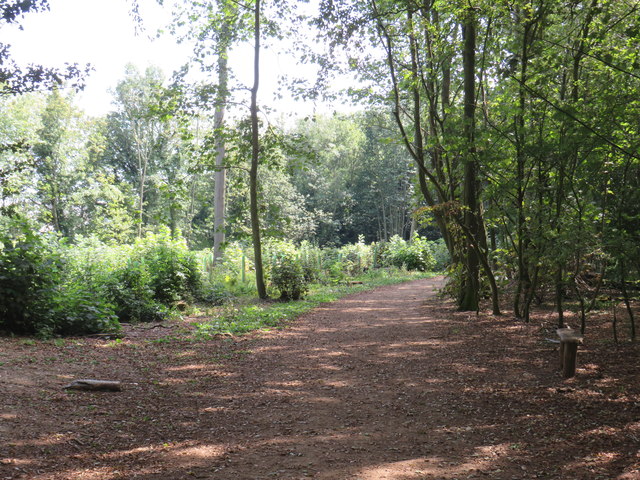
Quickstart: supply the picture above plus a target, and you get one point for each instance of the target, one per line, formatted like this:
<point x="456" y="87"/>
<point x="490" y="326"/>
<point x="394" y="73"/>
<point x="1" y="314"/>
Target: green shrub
<point x="286" y="272"/>
<point x="119" y="275"/>
<point x="173" y="270"/>
<point x="78" y="309"/>
<point x="30" y="268"/>
<point x="228" y="270"/>
<point x="333" y="268"/>
<point x="440" y="253"/>
<point x="413" y="255"/>
<point x="40" y="292"/>
<point x="148" y="278"/>
<point x="142" y="281"/>
<point x="311" y="259"/>
<point x="130" y="288"/>
<point x="337" y="271"/>
<point x="378" y="251"/>
<point x="214" y="293"/>
<point x="356" y="258"/>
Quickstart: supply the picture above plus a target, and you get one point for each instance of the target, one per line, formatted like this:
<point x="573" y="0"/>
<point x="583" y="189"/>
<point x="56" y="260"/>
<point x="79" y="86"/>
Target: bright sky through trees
<point x="100" y="32"/>
<point x="103" y="33"/>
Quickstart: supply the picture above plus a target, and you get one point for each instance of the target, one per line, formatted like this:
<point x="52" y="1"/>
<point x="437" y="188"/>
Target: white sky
<point x="102" y="32"/>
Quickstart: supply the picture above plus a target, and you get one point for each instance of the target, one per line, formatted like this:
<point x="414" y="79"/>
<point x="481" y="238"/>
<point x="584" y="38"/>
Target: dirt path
<point x="387" y="384"/>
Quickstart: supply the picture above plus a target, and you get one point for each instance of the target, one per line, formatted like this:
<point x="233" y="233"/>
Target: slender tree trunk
<point x="627" y="303"/>
<point x="559" y="285"/>
<point x="418" y="138"/>
<point x="173" y="220"/>
<point x="414" y="226"/>
<point x="55" y="207"/>
<point x="255" y="152"/>
<point x="524" y="279"/>
<point x="439" y="161"/>
<point x="188" y="232"/>
<point x="142" y="155"/>
<point x="523" y="284"/>
<point x="142" y="168"/>
<point x="220" y="173"/>
<point x="526" y="314"/>
<point x="445" y="94"/>
<point x="384" y="220"/>
<point x="568" y="157"/>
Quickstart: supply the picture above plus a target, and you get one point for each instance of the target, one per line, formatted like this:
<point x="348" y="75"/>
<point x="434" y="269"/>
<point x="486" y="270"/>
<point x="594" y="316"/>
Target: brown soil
<point x="386" y="384"/>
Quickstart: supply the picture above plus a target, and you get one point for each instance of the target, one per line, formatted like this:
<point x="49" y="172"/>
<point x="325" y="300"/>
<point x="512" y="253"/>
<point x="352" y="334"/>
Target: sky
<point x="100" y="32"/>
<point x="103" y="33"/>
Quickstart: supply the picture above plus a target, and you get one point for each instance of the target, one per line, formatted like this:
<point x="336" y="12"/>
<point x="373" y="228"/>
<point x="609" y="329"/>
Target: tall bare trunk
<point x="253" y="172"/>
<point x="221" y="173"/>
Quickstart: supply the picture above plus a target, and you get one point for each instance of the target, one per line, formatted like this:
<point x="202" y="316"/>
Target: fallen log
<point x="94" y="385"/>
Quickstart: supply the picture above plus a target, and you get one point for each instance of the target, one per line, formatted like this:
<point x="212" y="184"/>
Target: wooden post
<point x="569" y="364"/>
<point x="569" y="340"/>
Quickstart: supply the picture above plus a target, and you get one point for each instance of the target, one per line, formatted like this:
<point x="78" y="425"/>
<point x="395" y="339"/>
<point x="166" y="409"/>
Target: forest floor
<point x="392" y="383"/>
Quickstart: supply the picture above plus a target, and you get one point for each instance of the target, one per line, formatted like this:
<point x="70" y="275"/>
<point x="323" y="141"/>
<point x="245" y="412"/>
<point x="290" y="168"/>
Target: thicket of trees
<point x="522" y="118"/>
<point x="326" y="180"/>
<point x="510" y="128"/>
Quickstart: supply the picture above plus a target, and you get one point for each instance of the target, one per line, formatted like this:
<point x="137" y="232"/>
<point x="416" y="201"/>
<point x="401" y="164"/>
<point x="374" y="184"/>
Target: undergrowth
<point x="50" y="286"/>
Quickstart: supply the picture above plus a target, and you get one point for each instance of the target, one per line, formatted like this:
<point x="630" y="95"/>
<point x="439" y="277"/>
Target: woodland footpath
<point x="498" y="140"/>
<point x="392" y="383"/>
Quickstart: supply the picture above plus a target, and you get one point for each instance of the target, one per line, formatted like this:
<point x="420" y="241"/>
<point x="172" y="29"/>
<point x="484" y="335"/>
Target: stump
<point x="569" y="340"/>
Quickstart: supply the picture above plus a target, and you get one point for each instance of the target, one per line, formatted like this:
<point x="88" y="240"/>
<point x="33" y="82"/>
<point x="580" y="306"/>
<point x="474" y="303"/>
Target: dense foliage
<point x="38" y="295"/>
<point x="49" y="287"/>
<point x="508" y="129"/>
<point x="325" y="180"/>
<point x="521" y="118"/>
<point x="286" y="272"/>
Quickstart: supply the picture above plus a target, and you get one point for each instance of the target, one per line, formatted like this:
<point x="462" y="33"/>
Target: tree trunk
<point x="470" y="287"/>
<point x="173" y="219"/>
<point x="559" y="286"/>
<point x="524" y="280"/>
<point x="220" y="172"/>
<point x="255" y="152"/>
<point x="142" y="155"/>
<point x="526" y="313"/>
<point x="55" y="218"/>
<point x="415" y="146"/>
<point x="627" y="303"/>
<point x="142" y="168"/>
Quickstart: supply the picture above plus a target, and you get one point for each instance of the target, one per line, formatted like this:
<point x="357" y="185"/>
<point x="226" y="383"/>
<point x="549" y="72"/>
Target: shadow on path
<point x="387" y="384"/>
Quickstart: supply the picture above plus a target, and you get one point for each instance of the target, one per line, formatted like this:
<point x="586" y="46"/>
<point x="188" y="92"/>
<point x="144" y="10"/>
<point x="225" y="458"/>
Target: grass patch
<point x="241" y="319"/>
